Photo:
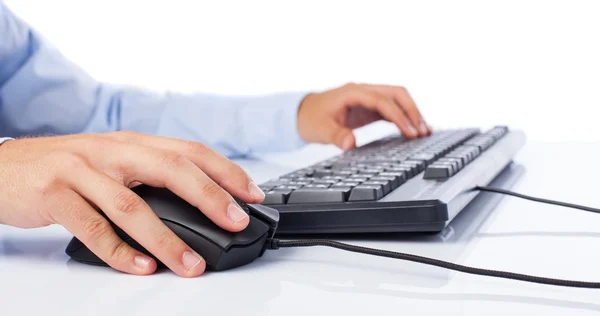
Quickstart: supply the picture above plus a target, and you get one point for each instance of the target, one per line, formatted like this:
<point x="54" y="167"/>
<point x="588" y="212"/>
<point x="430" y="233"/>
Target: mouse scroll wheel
<point x="243" y="205"/>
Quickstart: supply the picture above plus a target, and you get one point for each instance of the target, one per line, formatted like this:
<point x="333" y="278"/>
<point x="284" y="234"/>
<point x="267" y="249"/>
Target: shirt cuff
<point x="2" y="140"/>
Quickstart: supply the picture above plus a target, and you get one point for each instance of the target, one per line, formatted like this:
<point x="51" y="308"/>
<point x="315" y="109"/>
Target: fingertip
<point x="424" y="129"/>
<point x="239" y="218"/>
<point x="348" y="142"/>
<point x="410" y="131"/>
<point x="144" y="265"/>
<point x="256" y="194"/>
<point x="194" y="265"/>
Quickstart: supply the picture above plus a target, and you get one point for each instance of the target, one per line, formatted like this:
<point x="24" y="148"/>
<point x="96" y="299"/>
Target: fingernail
<point x="347" y="142"/>
<point x="191" y="260"/>
<point x="424" y="128"/>
<point x="412" y="130"/>
<point x="255" y="191"/>
<point x="235" y="213"/>
<point x="142" y="262"/>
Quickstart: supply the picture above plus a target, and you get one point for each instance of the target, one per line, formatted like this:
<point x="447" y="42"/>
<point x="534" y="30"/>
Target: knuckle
<point x="96" y="227"/>
<point x="163" y="240"/>
<point x="65" y="164"/>
<point x="67" y="160"/>
<point x="119" y="251"/>
<point x="401" y="89"/>
<point x="381" y="102"/>
<point x="128" y="203"/>
<point x="48" y="185"/>
<point x="351" y="85"/>
<point x="196" y="149"/>
<point x="172" y="160"/>
<point x="211" y="189"/>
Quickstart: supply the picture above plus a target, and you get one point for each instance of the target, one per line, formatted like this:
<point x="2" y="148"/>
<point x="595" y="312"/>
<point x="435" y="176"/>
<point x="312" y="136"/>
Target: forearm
<point x="41" y="92"/>
<point x="232" y="125"/>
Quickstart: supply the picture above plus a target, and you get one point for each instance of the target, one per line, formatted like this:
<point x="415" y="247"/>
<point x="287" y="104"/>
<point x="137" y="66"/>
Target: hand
<point x="67" y="180"/>
<point x="330" y="116"/>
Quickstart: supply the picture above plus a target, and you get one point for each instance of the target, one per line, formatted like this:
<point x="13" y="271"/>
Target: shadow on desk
<point x="38" y="249"/>
<point x="334" y="271"/>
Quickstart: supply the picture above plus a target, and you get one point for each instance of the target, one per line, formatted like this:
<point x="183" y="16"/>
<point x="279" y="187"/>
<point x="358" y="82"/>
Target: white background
<point x="533" y="65"/>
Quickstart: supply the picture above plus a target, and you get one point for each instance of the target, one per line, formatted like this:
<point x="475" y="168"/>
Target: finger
<point x="401" y="96"/>
<point x="94" y="231"/>
<point x="382" y="104"/>
<point x="338" y="135"/>
<point x="223" y="171"/>
<point x="129" y="212"/>
<point x="168" y="169"/>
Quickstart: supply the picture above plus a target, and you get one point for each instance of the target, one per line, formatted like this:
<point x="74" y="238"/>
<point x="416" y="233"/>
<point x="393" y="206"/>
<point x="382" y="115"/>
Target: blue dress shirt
<point x="41" y="93"/>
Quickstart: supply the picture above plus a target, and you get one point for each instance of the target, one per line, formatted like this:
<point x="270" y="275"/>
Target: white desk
<point x="37" y="278"/>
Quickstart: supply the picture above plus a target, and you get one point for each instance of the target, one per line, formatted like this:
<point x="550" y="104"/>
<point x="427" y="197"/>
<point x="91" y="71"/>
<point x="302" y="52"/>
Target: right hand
<point x="66" y="179"/>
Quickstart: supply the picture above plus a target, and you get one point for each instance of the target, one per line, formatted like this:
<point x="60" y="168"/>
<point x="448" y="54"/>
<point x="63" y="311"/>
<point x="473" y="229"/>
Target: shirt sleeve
<point x="41" y="93"/>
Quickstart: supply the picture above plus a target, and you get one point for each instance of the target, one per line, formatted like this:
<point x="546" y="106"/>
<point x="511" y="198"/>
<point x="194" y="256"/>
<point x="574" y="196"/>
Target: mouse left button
<point x="79" y="252"/>
<point x="265" y="213"/>
<point x="73" y="246"/>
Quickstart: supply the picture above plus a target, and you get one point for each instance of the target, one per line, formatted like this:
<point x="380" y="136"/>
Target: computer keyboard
<point x="392" y="184"/>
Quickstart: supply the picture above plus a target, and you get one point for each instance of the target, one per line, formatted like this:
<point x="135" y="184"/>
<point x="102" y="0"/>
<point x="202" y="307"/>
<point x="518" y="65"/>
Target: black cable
<point x="535" y="199"/>
<point x="274" y="244"/>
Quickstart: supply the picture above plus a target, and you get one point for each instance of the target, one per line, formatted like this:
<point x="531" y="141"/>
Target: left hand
<point x="329" y="117"/>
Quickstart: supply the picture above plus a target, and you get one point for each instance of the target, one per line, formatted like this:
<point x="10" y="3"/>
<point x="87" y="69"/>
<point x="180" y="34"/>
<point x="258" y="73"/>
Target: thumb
<point x="340" y="136"/>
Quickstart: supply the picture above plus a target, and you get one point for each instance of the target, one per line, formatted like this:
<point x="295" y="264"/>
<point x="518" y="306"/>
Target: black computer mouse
<point x="221" y="249"/>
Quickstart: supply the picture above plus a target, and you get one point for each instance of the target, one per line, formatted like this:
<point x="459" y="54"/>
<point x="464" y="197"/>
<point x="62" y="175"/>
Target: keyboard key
<point x="414" y="170"/>
<point x="300" y="183"/>
<point x="319" y="173"/>
<point x="345" y="184"/>
<point x="342" y="164"/>
<point x="352" y="170"/>
<point x="344" y="174"/>
<point x="370" y="174"/>
<point x="315" y="195"/>
<point x="336" y="178"/>
<point x="318" y="186"/>
<point x="357" y="179"/>
<point x="429" y="158"/>
<point x="407" y="171"/>
<point x="384" y="184"/>
<point x="417" y="163"/>
<point x="456" y="163"/>
<point x="382" y="159"/>
<point x="266" y="188"/>
<point x="400" y="177"/>
<point x="274" y="183"/>
<point x="366" y="193"/>
<point x="437" y="172"/>
<point x="373" y="170"/>
<point x="329" y="182"/>
<point x="459" y="155"/>
<point x="288" y="187"/>
<point x="308" y="172"/>
<point x="390" y="180"/>
<point x="453" y="169"/>
<point x="324" y="165"/>
<point x="276" y="197"/>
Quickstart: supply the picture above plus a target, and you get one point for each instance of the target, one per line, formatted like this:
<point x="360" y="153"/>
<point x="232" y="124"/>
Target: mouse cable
<point x="274" y="244"/>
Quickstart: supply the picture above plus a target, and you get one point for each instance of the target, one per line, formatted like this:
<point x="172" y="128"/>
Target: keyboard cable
<point x="274" y="244"/>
